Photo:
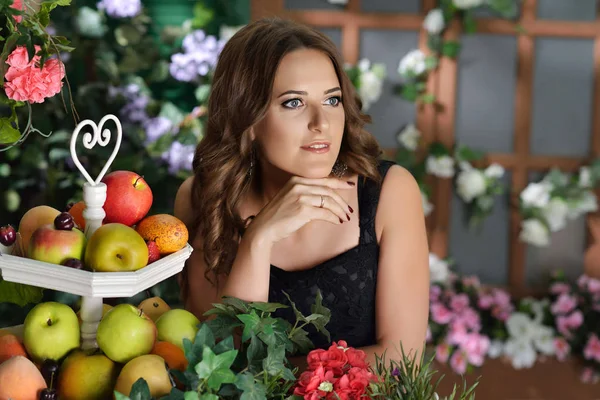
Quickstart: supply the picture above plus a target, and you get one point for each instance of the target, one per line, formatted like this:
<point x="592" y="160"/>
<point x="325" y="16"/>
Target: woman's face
<point x="302" y="131"/>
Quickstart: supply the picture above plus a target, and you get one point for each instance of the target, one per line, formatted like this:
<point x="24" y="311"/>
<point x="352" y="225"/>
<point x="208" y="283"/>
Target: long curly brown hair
<point x="241" y="92"/>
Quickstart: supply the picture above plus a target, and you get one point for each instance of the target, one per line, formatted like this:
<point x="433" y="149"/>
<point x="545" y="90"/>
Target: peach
<point x="33" y="219"/>
<point x="10" y="346"/>
<point x="20" y="380"/>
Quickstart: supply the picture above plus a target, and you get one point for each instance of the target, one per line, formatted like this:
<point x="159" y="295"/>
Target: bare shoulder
<point x="400" y="197"/>
<point x="183" y="202"/>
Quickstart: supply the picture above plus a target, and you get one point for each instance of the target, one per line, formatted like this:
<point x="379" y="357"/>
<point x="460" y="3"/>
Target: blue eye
<point x="292" y="103"/>
<point x="338" y="100"/>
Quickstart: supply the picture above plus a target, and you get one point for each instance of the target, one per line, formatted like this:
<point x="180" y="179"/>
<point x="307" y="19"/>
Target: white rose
<point x="587" y="203"/>
<point x="585" y="177"/>
<point x="464" y="166"/>
<point x="519" y="325"/>
<point x="442" y="167"/>
<point x="434" y="21"/>
<point x="412" y="63"/>
<point x="534" y="232"/>
<point x="543" y="339"/>
<point x="438" y="269"/>
<point x="226" y="32"/>
<point x="470" y="184"/>
<point x="536" y="194"/>
<point x="466" y="4"/>
<point x="409" y="137"/>
<point x="364" y="65"/>
<point x="427" y="206"/>
<point x="494" y="171"/>
<point x="369" y="89"/>
<point x="485" y="203"/>
<point x="521" y="352"/>
<point x="555" y="213"/>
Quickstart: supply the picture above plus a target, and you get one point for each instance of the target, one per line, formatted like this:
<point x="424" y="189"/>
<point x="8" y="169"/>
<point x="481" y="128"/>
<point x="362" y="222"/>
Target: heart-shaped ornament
<point x="100" y="137"/>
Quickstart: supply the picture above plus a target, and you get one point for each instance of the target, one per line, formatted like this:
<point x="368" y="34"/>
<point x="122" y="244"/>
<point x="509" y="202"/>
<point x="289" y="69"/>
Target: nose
<point x="318" y="120"/>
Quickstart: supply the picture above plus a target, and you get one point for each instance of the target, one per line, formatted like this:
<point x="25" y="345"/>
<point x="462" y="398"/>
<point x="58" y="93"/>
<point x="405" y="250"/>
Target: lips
<point x="317" y="146"/>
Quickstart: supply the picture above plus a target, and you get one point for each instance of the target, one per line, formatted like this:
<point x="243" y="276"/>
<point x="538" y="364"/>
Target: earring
<point x="252" y="162"/>
<point x="339" y="169"/>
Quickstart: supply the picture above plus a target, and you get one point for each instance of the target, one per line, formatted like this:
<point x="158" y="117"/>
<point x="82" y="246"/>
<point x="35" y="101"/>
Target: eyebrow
<point x="335" y="89"/>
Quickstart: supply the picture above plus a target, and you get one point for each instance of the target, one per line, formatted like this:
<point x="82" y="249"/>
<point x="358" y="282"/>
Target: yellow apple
<point x="116" y="248"/>
<point x="150" y="367"/>
<point x="87" y="376"/>
<point x="176" y="325"/>
<point x="154" y="307"/>
<point x="125" y="332"/>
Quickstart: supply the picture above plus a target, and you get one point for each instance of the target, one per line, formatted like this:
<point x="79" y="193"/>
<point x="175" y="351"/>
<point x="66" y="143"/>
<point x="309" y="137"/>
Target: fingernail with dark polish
<point x="350" y="208"/>
<point x="341" y="221"/>
<point x="348" y="217"/>
<point x="351" y="183"/>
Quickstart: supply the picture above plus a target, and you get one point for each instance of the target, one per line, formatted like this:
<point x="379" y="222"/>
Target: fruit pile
<point x="45" y="362"/>
<point x="128" y="239"/>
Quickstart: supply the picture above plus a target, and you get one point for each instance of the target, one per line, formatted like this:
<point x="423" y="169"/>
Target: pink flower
<point x="501" y="313"/>
<point x="485" y="301"/>
<point x="565" y="324"/>
<point x="560" y="288"/>
<point x="502" y="298"/>
<point x="594" y="286"/>
<point x="476" y="347"/>
<point x="592" y="348"/>
<point x="457" y="334"/>
<point x="564" y="304"/>
<point x="458" y="362"/>
<point x="459" y="302"/>
<point x="561" y="348"/>
<point x="434" y="293"/>
<point x="470" y="318"/>
<point x="25" y="81"/>
<point x="440" y="314"/>
<point x="582" y="281"/>
<point x="442" y="352"/>
<point x="588" y="375"/>
<point x="17" y="5"/>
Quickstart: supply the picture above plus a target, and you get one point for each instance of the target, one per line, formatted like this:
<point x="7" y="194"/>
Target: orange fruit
<point x="173" y="355"/>
<point x="11" y="346"/>
<point x="169" y="232"/>
<point x="77" y="212"/>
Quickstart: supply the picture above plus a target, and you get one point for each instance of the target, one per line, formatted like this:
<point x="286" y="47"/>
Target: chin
<point x="315" y="173"/>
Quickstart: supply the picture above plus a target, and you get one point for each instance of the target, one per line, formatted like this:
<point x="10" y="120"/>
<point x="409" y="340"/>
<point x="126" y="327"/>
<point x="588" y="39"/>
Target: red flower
<point x="333" y="359"/>
<point x="314" y="384"/>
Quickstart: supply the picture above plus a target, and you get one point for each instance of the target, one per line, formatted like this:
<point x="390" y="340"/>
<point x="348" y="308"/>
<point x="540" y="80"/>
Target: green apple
<point x="50" y="331"/>
<point x="176" y="325"/>
<point x="52" y="245"/>
<point x="116" y="248"/>
<point x="87" y="375"/>
<point x="125" y="332"/>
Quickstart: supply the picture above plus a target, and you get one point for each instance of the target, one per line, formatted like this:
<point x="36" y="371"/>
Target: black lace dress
<point x="347" y="282"/>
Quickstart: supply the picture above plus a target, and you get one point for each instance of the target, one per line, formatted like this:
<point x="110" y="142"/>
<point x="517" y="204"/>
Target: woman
<point x="288" y="196"/>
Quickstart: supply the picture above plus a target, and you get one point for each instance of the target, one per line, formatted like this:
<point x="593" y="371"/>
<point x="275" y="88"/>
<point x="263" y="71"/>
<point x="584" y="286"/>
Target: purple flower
<point x="395" y="372"/>
<point x="157" y="127"/>
<point x="179" y="157"/>
<point x="120" y="8"/>
<point x="200" y="55"/>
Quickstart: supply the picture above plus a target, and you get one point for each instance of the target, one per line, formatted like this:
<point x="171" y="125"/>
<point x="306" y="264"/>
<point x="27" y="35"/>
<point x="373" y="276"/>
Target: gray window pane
<point x="565" y="10"/>
<point x="398" y="6"/>
<point x="390" y="113"/>
<point x="311" y="5"/>
<point x="335" y="34"/>
<point x="486" y="92"/>
<point x="482" y="251"/>
<point x="563" y="87"/>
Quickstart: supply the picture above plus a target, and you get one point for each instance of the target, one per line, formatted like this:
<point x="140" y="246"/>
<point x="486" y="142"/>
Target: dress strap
<point x="368" y="199"/>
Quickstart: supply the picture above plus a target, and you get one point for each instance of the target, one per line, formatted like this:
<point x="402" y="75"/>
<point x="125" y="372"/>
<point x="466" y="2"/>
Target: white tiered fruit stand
<point x="92" y="286"/>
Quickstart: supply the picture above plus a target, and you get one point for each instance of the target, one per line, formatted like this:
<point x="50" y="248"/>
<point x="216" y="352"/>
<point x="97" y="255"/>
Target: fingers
<point x="318" y="202"/>
<point x="328" y="192"/>
<point x="332" y="183"/>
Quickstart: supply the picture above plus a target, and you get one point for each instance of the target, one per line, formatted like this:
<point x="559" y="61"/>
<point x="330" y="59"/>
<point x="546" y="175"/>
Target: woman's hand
<point x="300" y="201"/>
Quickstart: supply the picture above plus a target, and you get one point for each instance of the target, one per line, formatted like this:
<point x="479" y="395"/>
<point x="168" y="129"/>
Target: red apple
<point x="153" y="251"/>
<point x="52" y="245"/>
<point x="128" y="198"/>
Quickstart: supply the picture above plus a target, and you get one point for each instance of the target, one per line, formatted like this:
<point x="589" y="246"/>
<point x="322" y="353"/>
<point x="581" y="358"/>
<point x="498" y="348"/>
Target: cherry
<point x="8" y="235"/>
<point x="48" y="394"/>
<point x="64" y="221"/>
<point x="49" y="371"/>
<point x="73" y="263"/>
